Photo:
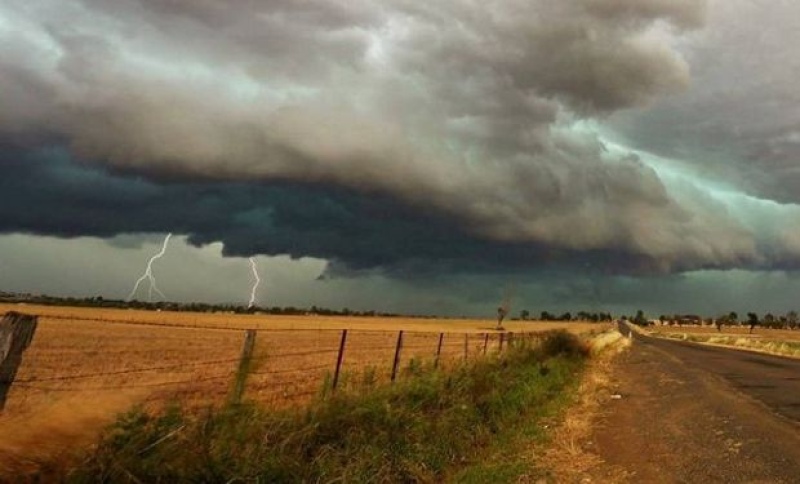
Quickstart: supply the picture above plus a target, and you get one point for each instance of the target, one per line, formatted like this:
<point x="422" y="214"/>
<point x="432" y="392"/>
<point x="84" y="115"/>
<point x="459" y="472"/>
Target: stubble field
<point x="86" y="365"/>
<point x="156" y="357"/>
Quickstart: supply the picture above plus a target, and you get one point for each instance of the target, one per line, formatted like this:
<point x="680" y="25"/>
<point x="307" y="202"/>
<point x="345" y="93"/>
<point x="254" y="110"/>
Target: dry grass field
<point x="773" y="341"/>
<point x="759" y="333"/>
<point x="87" y="365"/>
<point x="160" y="356"/>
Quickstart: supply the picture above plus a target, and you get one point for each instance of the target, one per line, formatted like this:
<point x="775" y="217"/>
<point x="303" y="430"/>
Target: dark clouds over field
<point x="648" y="138"/>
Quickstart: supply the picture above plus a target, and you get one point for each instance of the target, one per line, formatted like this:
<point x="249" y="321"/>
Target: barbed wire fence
<point x="278" y="366"/>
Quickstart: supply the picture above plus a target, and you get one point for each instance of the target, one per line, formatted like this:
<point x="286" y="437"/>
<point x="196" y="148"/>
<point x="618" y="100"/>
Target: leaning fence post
<point x="339" y="359"/>
<point x="244" y="365"/>
<point x="485" y="343"/>
<point x="438" y="351"/>
<point x="397" y="350"/>
<point x="16" y="334"/>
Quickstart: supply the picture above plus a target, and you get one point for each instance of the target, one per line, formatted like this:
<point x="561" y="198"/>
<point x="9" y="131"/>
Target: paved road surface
<point x="772" y="380"/>
<point x="692" y="413"/>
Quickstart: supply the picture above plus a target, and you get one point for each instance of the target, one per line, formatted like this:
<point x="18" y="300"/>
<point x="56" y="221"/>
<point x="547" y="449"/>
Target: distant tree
<point x="752" y="320"/>
<point x="566" y="317"/>
<point x="733" y="318"/>
<point x="791" y="319"/>
<point x="720" y="322"/>
<point x="768" y="321"/>
<point x="640" y="319"/>
<point x="545" y="316"/>
<point x="524" y="315"/>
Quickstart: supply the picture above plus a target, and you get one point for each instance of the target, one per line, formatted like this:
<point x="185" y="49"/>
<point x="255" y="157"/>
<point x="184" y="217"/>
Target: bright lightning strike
<point x="255" y="284"/>
<point x="148" y="274"/>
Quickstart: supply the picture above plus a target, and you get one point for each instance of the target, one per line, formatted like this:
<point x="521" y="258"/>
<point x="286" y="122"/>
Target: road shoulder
<point x="674" y="423"/>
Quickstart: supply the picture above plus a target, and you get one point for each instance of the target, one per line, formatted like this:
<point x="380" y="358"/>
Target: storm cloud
<point x="397" y="136"/>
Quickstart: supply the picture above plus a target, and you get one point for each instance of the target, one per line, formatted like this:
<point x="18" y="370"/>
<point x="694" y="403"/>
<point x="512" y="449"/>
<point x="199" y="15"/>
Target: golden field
<point x="759" y="333"/>
<point x="159" y="356"/>
<point x="86" y="365"/>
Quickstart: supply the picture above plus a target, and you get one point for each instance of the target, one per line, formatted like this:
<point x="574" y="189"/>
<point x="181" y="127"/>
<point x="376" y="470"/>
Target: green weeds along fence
<point x="195" y="365"/>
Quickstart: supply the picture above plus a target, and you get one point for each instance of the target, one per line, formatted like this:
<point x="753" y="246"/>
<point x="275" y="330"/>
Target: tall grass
<point x="423" y="428"/>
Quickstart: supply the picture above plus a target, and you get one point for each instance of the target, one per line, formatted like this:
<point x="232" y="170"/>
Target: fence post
<point x="244" y="365"/>
<point x="438" y="351"/>
<point x="502" y="338"/>
<point x="16" y="334"/>
<point x="485" y="343"/>
<point x="397" y="350"/>
<point x="510" y="339"/>
<point x="339" y="359"/>
<point x="466" y="346"/>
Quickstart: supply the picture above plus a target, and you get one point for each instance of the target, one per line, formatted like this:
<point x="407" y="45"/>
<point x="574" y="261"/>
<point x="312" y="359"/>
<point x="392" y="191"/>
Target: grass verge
<point x="774" y="347"/>
<point x="436" y="426"/>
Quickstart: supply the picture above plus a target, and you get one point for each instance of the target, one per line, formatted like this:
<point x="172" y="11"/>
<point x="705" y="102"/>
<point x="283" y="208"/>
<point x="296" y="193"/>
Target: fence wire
<point x="277" y="375"/>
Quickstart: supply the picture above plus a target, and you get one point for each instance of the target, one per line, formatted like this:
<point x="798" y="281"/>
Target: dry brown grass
<point x="48" y="439"/>
<point x="569" y="456"/>
<point x="85" y="365"/>
<point x="193" y="356"/>
<point x="738" y="331"/>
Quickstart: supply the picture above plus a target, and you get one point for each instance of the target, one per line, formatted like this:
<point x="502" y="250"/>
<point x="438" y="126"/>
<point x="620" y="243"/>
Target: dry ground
<point x="739" y="331"/>
<point x="158" y="356"/>
<point x="762" y="340"/>
<point x="87" y="365"/>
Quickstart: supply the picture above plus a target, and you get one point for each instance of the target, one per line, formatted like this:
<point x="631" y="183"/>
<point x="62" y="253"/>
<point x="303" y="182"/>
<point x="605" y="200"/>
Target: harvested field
<point x="156" y="357"/>
<point x="738" y="331"/>
<point x="772" y="341"/>
<point x="85" y="366"/>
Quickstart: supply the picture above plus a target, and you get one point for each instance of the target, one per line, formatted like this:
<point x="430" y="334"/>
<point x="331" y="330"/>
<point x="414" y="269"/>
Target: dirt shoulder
<point x="676" y="422"/>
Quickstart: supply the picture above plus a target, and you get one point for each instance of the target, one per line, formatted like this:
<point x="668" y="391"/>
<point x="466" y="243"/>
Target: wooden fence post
<point x="502" y="338"/>
<point x="397" y="350"/>
<point x="510" y="339"/>
<point x="466" y="346"/>
<point x="16" y="334"/>
<point x="485" y="343"/>
<point x="244" y="365"/>
<point x="339" y="359"/>
<point x="438" y="351"/>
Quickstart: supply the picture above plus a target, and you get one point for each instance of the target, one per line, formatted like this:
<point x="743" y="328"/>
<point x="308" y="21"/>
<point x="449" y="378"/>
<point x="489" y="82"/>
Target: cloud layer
<point x="379" y="135"/>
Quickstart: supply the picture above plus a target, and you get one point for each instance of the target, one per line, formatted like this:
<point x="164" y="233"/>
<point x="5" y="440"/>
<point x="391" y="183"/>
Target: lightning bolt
<point x="148" y="274"/>
<point x="255" y="284"/>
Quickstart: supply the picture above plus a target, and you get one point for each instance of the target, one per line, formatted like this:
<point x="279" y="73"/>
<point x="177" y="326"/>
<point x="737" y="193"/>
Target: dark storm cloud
<point x="345" y="130"/>
<point x="357" y="234"/>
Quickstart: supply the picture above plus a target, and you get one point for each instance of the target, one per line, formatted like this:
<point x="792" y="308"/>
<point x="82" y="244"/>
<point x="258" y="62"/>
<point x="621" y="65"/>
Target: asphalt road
<point x="679" y="412"/>
<point x="771" y="380"/>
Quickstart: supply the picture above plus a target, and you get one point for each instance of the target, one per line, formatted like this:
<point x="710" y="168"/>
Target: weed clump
<point x="562" y="343"/>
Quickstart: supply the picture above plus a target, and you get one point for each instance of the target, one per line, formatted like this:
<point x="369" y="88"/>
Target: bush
<point x="562" y="343"/>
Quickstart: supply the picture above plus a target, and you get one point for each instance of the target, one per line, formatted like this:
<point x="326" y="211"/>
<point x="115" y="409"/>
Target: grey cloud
<point x="462" y="109"/>
<point x="738" y="122"/>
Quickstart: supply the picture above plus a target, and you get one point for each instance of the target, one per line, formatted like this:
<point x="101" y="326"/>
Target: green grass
<point x="465" y="425"/>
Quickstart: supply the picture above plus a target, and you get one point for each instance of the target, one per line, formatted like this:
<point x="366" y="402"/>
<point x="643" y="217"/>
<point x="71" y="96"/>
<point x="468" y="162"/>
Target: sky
<point x="405" y="156"/>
